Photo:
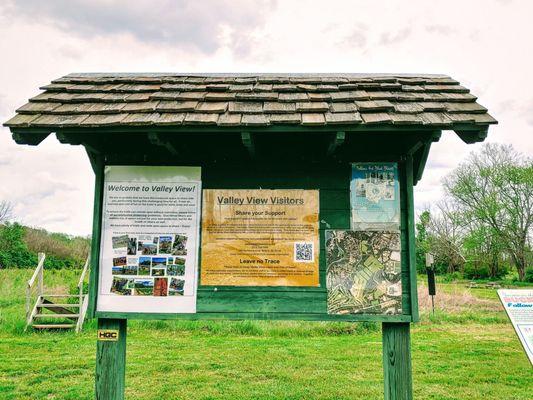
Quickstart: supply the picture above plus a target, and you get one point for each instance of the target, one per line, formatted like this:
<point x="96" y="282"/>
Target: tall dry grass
<point x="58" y="245"/>
<point x="456" y="298"/>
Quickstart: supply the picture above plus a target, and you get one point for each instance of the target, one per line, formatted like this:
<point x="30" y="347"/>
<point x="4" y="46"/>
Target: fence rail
<point x="81" y="297"/>
<point x="38" y="275"/>
<point x="36" y="297"/>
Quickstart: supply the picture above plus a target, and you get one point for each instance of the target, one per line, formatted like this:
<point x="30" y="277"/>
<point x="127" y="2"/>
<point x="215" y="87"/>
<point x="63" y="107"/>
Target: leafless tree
<point x="6" y="211"/>
<point x="494" y="187"/>
<point x="446" y="234"/>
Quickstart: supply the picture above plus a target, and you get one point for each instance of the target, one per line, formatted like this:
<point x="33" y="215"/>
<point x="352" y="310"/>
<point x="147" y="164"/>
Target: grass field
<point x="468" y="350"/>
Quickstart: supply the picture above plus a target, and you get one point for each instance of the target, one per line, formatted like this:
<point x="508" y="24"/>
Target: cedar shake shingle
<point x="251" y="100"/>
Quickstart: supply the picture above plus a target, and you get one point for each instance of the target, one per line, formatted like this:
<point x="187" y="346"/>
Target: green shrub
<point x="529" y="275"/>
<point x="440" y="267"/>
<point x="13" y="250"/>
<point x="454" y="276"/>
<point x="476" y="272"/>
<point x="63" y="247"/>
<point x="19" y="246"/>
<point x="472" y="271"/>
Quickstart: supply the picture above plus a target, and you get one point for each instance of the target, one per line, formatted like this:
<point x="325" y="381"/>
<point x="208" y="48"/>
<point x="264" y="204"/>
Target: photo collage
<point x="149" y="265"/>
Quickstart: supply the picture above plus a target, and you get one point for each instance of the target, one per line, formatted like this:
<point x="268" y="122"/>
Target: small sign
<point x="432" y="287"/>
<point x="108" y="335"/>
<point x="375" y="197"/>
<point x="518" y="303"/>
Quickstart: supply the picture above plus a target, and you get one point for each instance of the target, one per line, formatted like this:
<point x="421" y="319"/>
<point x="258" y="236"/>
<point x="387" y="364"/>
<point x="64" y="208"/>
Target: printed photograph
<point x="179" y="245"/>
<point x="159" y="271"/>
<point x="159" y="262"/>
<point x="147" y="248"/>
<point x="144" y="287"/>
<point x="144" y="265"/>
<point x="170" y="260"/>
<point x="172" y="270"/>
<point x="132" y="246"/>
<point x="160" y="286"/>
<point x="120" y="241"/>
<point x="360" y="188"/>
<point x="117" y="270"/>
<point x="176" y="270"/>
<point x="119" y="261"/>
<point x="176" y="287"/>
<point x="165" y="244"/>
<point x="130" y="270"/>
<point x="121" y="286"/>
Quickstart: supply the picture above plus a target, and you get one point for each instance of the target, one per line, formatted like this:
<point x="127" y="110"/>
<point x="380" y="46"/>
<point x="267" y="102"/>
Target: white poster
<point x="149" y="244"/>
<point x="518" y="304"/>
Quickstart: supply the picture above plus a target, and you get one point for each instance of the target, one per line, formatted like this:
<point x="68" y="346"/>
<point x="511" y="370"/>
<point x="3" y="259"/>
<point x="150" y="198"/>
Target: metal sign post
<point x="432" y="287"/>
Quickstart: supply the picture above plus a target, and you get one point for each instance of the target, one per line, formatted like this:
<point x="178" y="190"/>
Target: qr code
<point x="303" y="252"/>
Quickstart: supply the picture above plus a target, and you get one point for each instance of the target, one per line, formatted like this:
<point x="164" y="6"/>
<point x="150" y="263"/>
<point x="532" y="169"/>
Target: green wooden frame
<point x="410" y="304"/>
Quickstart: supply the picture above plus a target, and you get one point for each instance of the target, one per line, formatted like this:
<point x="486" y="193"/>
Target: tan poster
<point x="260" y="237"/>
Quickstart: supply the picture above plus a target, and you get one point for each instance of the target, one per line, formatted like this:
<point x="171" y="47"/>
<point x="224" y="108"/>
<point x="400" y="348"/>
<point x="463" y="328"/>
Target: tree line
<point x="483" y="226"/>
<point x="19" y="245"/>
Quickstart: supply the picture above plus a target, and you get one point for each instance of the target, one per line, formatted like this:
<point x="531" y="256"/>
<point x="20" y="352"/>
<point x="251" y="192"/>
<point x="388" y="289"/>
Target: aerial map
<point x="363" y="272"/>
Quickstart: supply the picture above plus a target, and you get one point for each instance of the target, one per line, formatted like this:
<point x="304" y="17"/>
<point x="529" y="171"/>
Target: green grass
<point x="468" y="354"/>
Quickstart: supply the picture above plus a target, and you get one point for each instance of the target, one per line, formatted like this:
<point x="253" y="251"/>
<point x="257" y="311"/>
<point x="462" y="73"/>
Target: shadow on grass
<point x="260" y="328"/>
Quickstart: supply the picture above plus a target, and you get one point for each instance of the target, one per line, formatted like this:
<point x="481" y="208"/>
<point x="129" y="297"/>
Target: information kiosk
<point x="253" y="196"/>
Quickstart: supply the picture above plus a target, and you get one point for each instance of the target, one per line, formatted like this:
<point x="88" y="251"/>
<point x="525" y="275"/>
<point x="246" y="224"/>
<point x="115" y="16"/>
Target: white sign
<point x="518" y="304"/>
<point x="149" y="244"/>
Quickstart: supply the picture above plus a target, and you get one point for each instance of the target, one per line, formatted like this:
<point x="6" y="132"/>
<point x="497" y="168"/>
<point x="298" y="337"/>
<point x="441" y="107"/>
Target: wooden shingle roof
<point x="96" y="100"/>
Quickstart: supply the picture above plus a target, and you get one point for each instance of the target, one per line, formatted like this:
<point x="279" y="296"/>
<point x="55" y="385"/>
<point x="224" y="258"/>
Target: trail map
<point x="363" y="272"/>
<point x="375" y="196"/>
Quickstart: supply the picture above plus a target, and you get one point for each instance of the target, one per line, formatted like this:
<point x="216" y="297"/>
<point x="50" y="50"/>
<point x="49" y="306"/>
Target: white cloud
<point x="484" y="46"/>
<point x="391" y="38"/>
<point x="49" y="186"/>
<point x="187" y="24"/>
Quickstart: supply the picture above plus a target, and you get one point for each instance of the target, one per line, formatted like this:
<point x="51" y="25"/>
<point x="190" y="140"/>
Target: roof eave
<point x="33" y="136"/>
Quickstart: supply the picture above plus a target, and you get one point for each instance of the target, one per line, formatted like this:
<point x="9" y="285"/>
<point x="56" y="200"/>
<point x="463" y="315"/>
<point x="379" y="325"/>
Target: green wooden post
<point x="111" y="361"/>
<point x="397" y="372"/>
<point x="411" y="237"/>
<point x="97" y="161"/>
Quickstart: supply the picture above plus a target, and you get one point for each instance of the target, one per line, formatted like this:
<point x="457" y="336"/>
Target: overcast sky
<point x="486" y="45"/>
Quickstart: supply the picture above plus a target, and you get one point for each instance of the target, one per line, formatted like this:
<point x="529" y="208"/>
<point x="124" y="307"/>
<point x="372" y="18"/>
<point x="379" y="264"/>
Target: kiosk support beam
<point x="248" y="142"/>
<point x="337" y="140"/>
<point x="156" y="139"/>
<point x="111" y="359"/>
<point x="397" y="372"/>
